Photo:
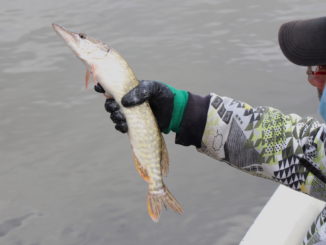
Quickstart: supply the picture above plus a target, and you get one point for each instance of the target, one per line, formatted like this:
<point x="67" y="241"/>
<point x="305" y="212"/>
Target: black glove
<point x="158" y="95"/>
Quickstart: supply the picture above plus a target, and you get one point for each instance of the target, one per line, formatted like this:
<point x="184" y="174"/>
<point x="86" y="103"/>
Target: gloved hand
<point x="167" y="104"/>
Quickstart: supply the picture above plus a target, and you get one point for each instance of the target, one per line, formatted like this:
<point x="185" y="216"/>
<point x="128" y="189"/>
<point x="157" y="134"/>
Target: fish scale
<point x="150" y="155"/>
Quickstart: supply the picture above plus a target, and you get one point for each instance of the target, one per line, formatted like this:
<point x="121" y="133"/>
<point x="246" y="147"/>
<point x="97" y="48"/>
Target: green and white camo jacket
<point x="264" y="142"/>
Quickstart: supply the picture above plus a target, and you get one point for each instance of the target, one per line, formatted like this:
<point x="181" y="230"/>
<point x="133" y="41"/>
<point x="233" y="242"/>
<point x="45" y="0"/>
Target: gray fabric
<point x="236" y="150"/>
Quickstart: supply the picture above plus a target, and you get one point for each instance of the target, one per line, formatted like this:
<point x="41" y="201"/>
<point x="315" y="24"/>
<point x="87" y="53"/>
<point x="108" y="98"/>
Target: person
<point x="261" y="140"/>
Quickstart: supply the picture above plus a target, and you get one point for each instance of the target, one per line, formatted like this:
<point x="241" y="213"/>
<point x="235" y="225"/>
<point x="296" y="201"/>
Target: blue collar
<point x="322" y="105"/>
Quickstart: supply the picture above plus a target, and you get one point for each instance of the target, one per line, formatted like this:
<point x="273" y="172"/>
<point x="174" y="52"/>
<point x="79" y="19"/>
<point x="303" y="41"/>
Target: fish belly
<point x="144" y="135"/>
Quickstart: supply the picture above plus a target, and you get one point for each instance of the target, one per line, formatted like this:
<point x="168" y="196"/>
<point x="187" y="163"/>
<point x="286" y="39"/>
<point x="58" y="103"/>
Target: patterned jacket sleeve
<point x="264" y="142"/>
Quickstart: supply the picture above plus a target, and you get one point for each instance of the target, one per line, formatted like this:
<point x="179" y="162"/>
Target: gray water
<point x="66" y="176"/>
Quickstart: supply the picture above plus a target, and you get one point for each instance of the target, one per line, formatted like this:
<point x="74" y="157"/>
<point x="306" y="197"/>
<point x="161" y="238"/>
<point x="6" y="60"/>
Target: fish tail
<point x="155" y="202"/>
<point x="172" y="202"/>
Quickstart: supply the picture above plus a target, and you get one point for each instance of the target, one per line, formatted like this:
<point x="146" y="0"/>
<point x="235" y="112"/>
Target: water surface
<point x="66" y="176"/>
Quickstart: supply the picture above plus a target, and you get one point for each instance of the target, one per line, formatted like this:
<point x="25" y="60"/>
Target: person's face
<point x="317" y="77"/>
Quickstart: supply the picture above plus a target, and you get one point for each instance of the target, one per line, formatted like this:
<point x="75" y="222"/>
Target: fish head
<point x="85" y="47"/>
<point x="104" y="64"/>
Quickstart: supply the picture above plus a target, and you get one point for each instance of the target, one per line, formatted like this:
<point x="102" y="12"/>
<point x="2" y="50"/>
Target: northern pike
<point x="112" y="72"/>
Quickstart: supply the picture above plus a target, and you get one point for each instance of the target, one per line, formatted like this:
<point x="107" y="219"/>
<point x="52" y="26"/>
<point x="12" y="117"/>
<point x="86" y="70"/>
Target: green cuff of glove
<point x="179" y="104"/>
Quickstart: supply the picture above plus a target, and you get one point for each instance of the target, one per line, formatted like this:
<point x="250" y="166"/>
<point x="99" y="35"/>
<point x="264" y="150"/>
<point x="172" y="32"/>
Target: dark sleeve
<point x="194" y="121"/>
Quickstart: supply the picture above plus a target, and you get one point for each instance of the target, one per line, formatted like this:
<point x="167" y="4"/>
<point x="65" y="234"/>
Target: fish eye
<point x="82" y="35"/>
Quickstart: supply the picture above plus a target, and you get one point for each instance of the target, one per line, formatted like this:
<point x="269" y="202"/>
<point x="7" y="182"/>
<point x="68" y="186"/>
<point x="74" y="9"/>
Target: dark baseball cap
<point x="303" y="42"/>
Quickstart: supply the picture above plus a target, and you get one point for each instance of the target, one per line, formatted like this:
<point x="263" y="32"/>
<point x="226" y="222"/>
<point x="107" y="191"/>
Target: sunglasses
<point x="317" y="76"/>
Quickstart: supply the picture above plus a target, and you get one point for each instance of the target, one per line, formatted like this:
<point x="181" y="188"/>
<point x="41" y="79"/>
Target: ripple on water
<point x="60" y="152"/>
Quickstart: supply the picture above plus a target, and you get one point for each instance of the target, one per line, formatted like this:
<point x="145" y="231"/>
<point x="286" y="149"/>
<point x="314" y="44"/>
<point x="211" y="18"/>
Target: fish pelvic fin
<point x="164" y="158"/>
<point x="140" y="169"/>
<point x="155" y="202"/>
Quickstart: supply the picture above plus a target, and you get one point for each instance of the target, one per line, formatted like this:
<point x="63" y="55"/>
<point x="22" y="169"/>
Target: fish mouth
<point x="69" y="37"/>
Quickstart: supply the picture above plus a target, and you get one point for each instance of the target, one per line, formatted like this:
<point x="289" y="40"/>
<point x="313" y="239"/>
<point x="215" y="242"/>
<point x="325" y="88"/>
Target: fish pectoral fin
<point x="87" y="77"/>
<point x="140" y="169"/>
<point x="164" y="158"/>
<point x="93" y="73"/>
<point x="90" y="72"/>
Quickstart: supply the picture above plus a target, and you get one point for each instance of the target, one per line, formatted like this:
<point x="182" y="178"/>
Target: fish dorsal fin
<point x="140" y="169"/>
<point x="164" y="158"/>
